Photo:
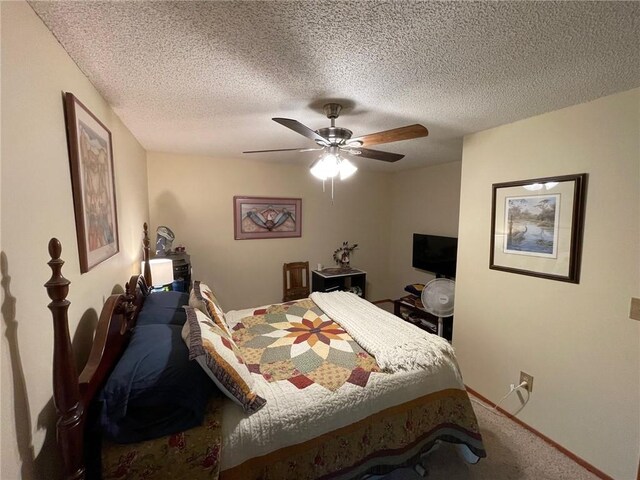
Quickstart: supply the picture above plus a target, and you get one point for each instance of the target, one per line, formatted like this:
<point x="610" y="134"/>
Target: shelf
<point x="410" y="309"/>
<point x="338" y="272"/>
<point x="330" y="280"/>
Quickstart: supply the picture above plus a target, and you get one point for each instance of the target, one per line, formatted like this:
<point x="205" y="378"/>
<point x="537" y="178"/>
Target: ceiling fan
<point x="336" y="141"/>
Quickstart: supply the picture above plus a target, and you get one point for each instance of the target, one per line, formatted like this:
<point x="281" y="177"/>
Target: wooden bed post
<point x="66" y="393"/>
<point x="145" y="256"/>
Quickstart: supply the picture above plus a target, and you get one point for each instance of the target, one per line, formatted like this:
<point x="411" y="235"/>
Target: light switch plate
<point x="634" y="312"/>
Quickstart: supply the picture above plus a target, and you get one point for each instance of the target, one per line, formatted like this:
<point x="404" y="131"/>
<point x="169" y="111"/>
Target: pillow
<point x="202" y="298"/>
<point x="221" y="359"/>
<point x="164" y="308"/>
<point x="154" y="390"/>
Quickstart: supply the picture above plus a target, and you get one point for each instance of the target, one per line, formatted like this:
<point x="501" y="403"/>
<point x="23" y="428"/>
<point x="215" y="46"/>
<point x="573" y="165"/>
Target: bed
<point x="324" y="387"/>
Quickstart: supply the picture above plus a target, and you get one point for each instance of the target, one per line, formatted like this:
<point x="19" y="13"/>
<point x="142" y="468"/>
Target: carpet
<point x="513" y="453"/>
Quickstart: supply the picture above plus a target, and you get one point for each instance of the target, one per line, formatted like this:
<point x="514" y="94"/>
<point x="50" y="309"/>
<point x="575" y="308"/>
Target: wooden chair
<point x="295" y="278"/>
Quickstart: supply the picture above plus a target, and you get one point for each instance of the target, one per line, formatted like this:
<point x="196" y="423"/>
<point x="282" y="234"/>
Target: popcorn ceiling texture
<point x="206" y="77"/>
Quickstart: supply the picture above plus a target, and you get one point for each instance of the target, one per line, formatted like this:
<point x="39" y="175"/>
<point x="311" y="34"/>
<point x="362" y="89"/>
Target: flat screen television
<point x="435" y="254"/>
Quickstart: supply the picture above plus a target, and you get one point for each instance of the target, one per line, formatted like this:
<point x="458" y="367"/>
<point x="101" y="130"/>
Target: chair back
<point x="295" y="277"/>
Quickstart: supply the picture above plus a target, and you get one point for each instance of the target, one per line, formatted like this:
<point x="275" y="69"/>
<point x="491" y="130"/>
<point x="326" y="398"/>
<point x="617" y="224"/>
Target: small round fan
<point x="438" y="297"/>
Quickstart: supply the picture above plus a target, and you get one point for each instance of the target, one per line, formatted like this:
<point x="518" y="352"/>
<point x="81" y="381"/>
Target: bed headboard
<point x="73" y="393"/>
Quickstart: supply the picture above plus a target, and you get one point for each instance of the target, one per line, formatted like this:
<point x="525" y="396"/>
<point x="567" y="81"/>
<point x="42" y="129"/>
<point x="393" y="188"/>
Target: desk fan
<point x="438" y="297"/>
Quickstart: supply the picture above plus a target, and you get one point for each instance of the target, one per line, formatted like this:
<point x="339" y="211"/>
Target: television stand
<point x="410" y="309"/>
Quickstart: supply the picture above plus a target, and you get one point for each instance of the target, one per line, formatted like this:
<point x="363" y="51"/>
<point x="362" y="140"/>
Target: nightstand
<point x="331" y="279"/>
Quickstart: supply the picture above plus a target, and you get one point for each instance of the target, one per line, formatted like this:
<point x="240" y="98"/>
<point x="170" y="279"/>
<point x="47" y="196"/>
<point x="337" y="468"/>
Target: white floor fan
<point x="438" y="298"/>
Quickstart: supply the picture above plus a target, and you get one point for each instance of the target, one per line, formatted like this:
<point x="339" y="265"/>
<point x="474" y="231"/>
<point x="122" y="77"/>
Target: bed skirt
<point x="192" y="454"/>
<point x="377" y="444"/>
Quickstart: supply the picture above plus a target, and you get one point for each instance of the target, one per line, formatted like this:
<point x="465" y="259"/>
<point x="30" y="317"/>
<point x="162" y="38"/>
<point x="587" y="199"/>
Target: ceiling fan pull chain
<point x="331" y="190"/>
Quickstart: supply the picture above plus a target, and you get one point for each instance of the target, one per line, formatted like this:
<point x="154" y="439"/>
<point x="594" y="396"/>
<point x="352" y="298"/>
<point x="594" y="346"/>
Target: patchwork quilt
<point x="298" y="343"/>
<point x="312" y="405"/>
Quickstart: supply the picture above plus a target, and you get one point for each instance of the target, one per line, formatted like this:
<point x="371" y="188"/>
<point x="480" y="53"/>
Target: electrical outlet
<point x="525" y="377"/>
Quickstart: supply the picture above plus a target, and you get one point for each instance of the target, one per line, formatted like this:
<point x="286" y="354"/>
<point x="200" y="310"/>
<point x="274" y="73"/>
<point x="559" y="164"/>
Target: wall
<point x="423" y="200"/>
<point x="194" y="197"/>
<point x="576" y="340"/>
<point x="36" y="205"/>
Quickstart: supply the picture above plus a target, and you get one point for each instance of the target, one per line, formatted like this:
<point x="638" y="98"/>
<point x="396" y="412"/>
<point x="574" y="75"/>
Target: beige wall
<point x="576" y="340"/>
<point x="36" y="205"/>
<point x="194" y="197"/>
<point x="423" y="200"/>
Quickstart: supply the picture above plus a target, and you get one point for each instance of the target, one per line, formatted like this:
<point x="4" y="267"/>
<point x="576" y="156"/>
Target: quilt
<point x="294" y="417"/>
<point x="298" y="343"/>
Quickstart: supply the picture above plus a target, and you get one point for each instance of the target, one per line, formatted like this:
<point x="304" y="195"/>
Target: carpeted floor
<point x="513" y="453"/>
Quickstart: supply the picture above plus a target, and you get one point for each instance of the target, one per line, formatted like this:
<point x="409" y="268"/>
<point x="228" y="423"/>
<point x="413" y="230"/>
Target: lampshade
<point x="346" y="169"/>
<point x="317" y="169"/>
<point x="161" y="271"/>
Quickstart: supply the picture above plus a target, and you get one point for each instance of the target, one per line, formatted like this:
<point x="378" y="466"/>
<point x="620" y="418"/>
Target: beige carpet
<point x="513" y="453"/>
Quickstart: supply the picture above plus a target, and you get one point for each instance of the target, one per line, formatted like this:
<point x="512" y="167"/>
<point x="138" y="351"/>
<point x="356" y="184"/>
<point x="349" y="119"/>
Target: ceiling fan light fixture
<point x="331" y="164"/>
<point x="317" y="169"/>
<point x="347" y="169"/>
<point x="327" y="166"/>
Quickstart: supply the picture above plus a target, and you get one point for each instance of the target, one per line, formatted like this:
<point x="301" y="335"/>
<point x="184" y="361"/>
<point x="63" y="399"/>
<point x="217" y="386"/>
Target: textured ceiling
<point x="206" y="77"/>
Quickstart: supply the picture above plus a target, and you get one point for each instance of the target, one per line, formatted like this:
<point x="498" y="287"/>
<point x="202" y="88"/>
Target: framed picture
<point x="536" y="227"/>
<point x="92" y="179"/>
<point x="267" y="217"/>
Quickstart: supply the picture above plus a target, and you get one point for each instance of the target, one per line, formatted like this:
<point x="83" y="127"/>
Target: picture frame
<point x="93" y="184"/>
<point x="537" y="227"/>
<point x="266" y="217"/>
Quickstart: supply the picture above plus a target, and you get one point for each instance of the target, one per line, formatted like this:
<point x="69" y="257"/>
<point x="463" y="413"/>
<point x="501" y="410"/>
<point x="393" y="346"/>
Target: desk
<point x="410" y="309"/>
<point x="331" y="279"/>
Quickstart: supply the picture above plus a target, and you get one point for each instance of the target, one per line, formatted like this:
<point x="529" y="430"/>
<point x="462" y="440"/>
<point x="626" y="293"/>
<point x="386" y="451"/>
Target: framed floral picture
<point x="267" y="217"/>
<point x="92" y="179"/>
<point x="536" y="227"/>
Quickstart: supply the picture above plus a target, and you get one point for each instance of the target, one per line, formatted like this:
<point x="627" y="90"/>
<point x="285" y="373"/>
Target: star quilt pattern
<point x="297" y="342"/>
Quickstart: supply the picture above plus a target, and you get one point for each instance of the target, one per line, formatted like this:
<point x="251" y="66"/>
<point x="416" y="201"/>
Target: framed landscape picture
<point x="92" y="179"/>
<point x="266" y="217"/>
<point x="536" y="227"/>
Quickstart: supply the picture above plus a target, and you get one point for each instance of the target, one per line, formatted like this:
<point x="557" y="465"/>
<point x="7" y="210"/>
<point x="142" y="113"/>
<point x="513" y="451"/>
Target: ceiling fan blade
<point x="298" y="127"/>
<point x="301" y="149"/>
<point x="388" y="136"/>
<point x="376" y="154"/>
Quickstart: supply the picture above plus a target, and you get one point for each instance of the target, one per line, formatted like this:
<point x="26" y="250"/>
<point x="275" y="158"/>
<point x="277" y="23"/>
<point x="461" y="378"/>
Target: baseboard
<point x="557" y="446"/>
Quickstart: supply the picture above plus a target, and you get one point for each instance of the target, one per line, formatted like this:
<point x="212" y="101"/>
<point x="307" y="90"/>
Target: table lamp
<point x="161" y="273"/>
